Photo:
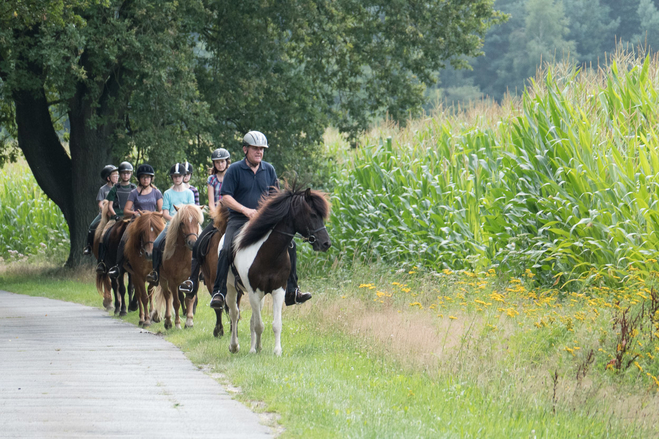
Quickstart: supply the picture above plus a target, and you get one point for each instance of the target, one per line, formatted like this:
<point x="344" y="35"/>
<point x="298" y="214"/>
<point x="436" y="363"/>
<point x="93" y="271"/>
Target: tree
<point x="649" y="29"/>
<point x="163" y="79"/>
<point x="591" y="28"/>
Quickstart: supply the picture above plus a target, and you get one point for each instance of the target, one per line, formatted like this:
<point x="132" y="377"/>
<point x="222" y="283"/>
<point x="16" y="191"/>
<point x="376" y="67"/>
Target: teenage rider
<point x="221" y="159"/>
<point x="111" y="175"/>
<point x="244" y="184"/>
<point x="188" y="169"/>
<point x="146" y="198"/>
<point x="117" y="197"/>
<point x="177" y="195"/>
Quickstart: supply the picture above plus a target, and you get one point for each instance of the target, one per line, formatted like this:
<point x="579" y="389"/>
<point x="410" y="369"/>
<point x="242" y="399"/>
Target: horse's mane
<point x="175" y="224"/>
<point x="276" y="207"/>
<point x="220" y="217"/>
<point x="146" y="221"/>
<point x="105" y="217"/>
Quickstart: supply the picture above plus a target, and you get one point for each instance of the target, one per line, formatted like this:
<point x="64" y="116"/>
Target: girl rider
<point x="177" y="195"/>
<point x="146" y="198"/>
<point x="188" y="169"/>
<point x="110" y="174"/>
<point x="221" y="161"/>
<point x="117" y="196"/>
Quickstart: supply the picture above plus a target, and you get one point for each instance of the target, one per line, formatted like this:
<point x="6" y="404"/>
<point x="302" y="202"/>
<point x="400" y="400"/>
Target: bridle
<point x="310" y="238"/>
<point x="144" y="243"/>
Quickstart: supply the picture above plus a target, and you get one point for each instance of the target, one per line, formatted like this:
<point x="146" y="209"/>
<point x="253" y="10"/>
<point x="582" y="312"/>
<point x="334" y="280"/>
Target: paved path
<point x="71" y="371"/>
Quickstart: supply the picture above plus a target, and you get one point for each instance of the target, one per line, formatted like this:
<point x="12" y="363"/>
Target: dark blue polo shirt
<point x="245" y="186"/>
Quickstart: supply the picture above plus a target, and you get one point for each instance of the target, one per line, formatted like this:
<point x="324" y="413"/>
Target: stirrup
<point x="101" y="268"/>
<point x="87" y="251"/>
<point x="152" y="277"/>
<point x="113" y="272"/>
<point x="186" y="287"/>
<point x="294" y="297"/>
<point x="218" y="301"/>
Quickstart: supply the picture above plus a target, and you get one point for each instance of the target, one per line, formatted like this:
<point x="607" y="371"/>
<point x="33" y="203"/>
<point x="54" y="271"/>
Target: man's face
<point x="254" y="153"/>
<point x="125" y="176"/>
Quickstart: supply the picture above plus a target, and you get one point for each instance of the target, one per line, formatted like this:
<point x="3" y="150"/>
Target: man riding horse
<point x="244" y="184"/>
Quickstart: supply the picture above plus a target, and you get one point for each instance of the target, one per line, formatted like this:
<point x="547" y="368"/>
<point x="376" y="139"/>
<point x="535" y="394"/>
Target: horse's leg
<point x="177" y="309"/>
<point x="131" y="291"/>
<point x="117" y="300"/>
<point x="107" y="293"/>
<point x="168" y="301"/>
<point x="277" y="305"/>
<point x="189" y="310"/>
<point x="256" y="323"/>
<point x="234" y="346"/>
<point x="218" y="331"/>
<point x="146" y="305"/>
<point x="139" y="291"/>
<point x="122" y="292"/>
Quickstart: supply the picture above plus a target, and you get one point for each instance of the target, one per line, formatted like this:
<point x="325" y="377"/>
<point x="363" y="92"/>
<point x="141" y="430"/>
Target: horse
<point x="181" y="235"/>
<point x="261" y="258"/>
<point x="115" y="231"/>
<point x="137" y="257"/>
<point x="209" y="264"/>
<point x="103" y="284"/>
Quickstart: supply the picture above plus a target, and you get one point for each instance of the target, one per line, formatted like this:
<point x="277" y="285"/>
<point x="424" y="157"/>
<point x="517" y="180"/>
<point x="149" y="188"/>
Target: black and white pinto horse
<point x="261" y="256"/>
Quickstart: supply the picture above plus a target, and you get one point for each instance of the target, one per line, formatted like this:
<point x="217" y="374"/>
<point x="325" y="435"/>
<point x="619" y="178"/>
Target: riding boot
<point x="190" y="286"/>
<point x="220" y="285"/>
<point x="101" y="268"/>
<point x="154" y="276"/>
<point x="293" y="294"/>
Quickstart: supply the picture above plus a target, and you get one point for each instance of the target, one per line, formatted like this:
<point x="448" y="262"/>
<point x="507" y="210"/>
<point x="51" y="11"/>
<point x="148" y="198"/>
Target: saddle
<point x="204" y="243"/>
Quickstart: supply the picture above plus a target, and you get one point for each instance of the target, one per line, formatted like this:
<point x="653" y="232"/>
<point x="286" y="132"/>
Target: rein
<point x="310" y="238"/>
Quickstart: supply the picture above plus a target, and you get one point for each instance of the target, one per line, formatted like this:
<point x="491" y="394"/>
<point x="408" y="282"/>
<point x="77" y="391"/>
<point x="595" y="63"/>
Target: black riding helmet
<point x="107" y="171"/>
<point x="125" y="167"/>
<point x="188" y="169"/>
<point x="177" y="169"/>
<point x="220" y="154"/>
<point x="145" y="169"/>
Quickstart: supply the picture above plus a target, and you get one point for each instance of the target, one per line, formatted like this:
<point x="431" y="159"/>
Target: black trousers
<point x="92" y="230"/>
<point x="158" y="249"/>
<point x="225" y="259"/>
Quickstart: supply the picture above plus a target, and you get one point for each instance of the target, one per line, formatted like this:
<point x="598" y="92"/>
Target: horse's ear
<point x="176" y="208"/>
<point x="307" y="194"/>
<point x="202" y="207"/>
<point x="138" y="212"/>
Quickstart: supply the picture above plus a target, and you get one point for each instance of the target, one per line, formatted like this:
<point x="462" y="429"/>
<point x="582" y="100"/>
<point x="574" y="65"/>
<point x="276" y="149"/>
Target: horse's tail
<point x="100" y="282"/>
<point x="159" y="303"/>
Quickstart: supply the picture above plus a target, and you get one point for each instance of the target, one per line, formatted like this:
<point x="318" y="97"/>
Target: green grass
<point x="338" y="379"/>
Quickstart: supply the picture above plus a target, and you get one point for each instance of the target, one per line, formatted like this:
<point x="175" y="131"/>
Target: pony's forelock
<point x="184" y="211"/>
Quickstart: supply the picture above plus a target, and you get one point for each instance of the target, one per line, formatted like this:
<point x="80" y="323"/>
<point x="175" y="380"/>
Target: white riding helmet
<point x="255" y="138"/>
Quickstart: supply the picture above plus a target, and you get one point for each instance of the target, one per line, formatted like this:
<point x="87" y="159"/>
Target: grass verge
<point x="376" y="360"/>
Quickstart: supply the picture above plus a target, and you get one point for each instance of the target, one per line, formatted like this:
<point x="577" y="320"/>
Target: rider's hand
<point x="249" y="213"/>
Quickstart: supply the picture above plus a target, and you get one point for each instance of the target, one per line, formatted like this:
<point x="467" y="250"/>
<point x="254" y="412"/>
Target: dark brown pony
<point x="261" y="255"/>
<point x="181" y="235"/>
<point x="209" y="265"/>
<point x="116" y="232"/>
<point x="103" y="283"/>
<point x="137" y="257"/>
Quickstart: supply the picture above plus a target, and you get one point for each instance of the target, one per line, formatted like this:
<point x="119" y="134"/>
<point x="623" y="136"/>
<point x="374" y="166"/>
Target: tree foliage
<point x="84" y="82"/>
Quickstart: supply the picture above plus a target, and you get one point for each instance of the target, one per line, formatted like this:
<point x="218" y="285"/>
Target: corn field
<point x="30" y="223"/>
<point x="566" y="183"/>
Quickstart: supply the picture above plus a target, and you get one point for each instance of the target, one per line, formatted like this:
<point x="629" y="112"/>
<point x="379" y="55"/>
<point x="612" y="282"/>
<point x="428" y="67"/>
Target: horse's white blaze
<point x="245" y="258"/>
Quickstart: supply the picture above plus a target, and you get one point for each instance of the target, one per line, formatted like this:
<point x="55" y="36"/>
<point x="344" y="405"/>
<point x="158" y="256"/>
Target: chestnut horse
<point x="116" y="230"/>
<point x="180" y="237"/>
<point x="103" y="284"/>
<point x="261" y="257"/>
<point x="137" y="257"/>
<point x="209" y="264"/>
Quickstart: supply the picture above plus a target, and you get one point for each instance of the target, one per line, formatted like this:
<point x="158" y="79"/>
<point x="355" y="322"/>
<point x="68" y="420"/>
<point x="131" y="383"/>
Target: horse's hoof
<point x="116" y="312"/>
<point x="189" y="323"/>
<point x="218" y="332"/>
<point x="178" y="326"/>
<point x="132" y="307"/>
<point x="278" y="352"/>
<point x="109" y="308"/>
<point x="141" y="323"/>
<point x="252" y="351"/>
<point x="146" y="324"/>
<point x="234" y="349"/>
<point x="168" y="325"/>
<point x="123" y="313"/>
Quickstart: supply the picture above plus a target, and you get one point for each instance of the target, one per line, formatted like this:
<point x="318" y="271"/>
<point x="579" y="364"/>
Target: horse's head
<point x="309" y="218"/>
<point x="147" y="226"/>
<point x="190" y="218"/>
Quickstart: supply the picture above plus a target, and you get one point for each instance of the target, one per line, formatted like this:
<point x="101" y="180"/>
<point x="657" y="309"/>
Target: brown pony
<point x="209" y="265"/>
<point x="103" y="284"/>
<point x="181" y="235"/>
<point x="137" y="257"/>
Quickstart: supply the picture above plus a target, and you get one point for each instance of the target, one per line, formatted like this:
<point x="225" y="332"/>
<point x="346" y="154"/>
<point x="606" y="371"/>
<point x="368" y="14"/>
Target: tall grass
<point x="565" y="182"/>
<point x="30" y="223"/>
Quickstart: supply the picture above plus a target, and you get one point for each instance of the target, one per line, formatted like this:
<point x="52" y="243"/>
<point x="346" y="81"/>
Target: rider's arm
<point x="231" y="203"/>
<point x="111" y="196"/>
<point x="211" y="197"/>
<point x="128" y="209"/>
